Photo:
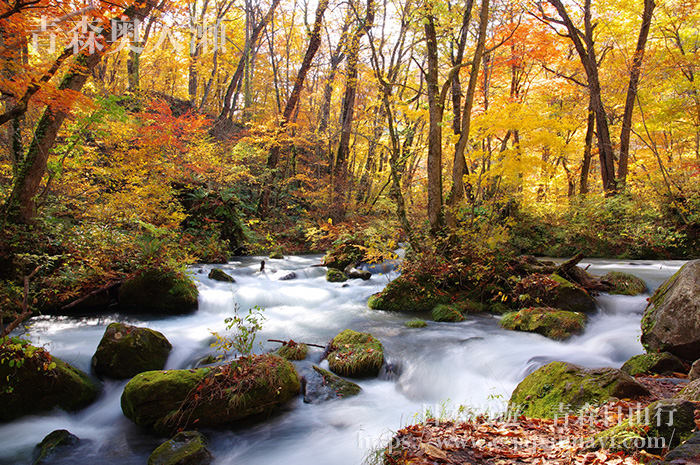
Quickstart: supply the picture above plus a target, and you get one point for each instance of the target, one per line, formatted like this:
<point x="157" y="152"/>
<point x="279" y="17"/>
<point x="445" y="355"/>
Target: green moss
<point x="335" y="276"/>
<point x="54" y="441"/>
<point x="186" y="448"/>
<point x="549" y="322"/>
<point x="402" y="295"/>
<point x="544" y="392"/>
<point x="217" y="274"/>
<point x="663" y="363"/>
<point x="690" y="392"/>
<point x="293" y="352"/>
<point x="539" y="290"/>
<point x="471" y="306"/>
<point x="625" y="283"/>
<point x="126" y="350"/>
<point x="499" y="308"/>
<point x="355" y="354"/>
<point x="415" y="323"/>
<point x="446" y="313"/>
<point x="158" y="291"/>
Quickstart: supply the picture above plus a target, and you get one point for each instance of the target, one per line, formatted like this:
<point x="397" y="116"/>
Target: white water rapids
<point x="473" y="362"/>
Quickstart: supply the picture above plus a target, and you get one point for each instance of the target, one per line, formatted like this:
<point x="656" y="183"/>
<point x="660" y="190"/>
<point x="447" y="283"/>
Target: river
<point x="472" y="363"/>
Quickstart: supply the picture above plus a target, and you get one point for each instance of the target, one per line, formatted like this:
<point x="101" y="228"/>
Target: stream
<point x="472" y="363"/>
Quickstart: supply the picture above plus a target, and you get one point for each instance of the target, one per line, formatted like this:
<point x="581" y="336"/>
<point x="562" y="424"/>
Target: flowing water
<point x="473" y="363"/>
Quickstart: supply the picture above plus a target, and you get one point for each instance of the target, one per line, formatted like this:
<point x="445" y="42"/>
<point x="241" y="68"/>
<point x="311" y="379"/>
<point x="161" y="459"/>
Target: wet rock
<point x="690" y="392"/>
<point x="293" y="351"/>
<point x="126" y="350"/>
<point x="549" y="322"/>
<point x="355" y="354"/>
<point x="55" y="442"/>
<point x="415" y="323"/>
<point x="354" y="273"/>
<point x="320" y="385"/>
<point x="544" y="392"/>
<point x="694" y="371"/>
<point x="30" y="371"/>
<point x="344" y="255"/>
<point x="446" y="313"/>
<point x="186" y="448"/>
<point x="289" y="276"/>
<point x="538" y="290"/>
<point x="655" y="364"/>
<point x="671" y="321"/>
<point x="335" y="276"/>
<point x="685" y="454"/>
<point x="160" y="292"/>
<point x="217" y="274"/>
<point x="246" y="389"/>
<point x="625" y="283"/>
<point x="402" y="295"/>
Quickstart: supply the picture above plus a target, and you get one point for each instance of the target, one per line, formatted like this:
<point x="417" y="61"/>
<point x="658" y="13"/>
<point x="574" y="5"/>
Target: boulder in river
<point x="163" y="292"/>
<point x="671" y="321"/>
<point x="53" y="443"/>
<point x="217" y="274"/>
<point x="320" y="385"/>
<point x="654" y="364"/>
<point x="39" y="382"/>
<point x="624" y="283"/>
<point x="555" y="292"/>
<point x="344" y="255"/>
<point x="404" y="295"/>
<point x="562" y="387"/>
<point x="353" y="273"/>
<point x="293" y="351"/>
<point x="355" y="354"/>
<point x="126" y="350"/>
<point x="245" y="389"/>
<point x="549" y="322"/>
<point x="186" y="448"/>
<point x="335" y="276"/>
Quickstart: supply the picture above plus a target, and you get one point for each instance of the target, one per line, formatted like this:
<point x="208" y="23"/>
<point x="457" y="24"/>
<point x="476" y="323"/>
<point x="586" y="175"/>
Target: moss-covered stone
<point x="321" y="385"/>
<point x="276" y="255"/>
<point x="446" y="313"/>
<point x="343" y="255"/>
<point x="415" y="323"/>
<point x="694" y="371"/>
<point x="625" y="283"/>
<point x="655" y="364"/>
<point x="54" y="442"/>
<point x="186" y="448"/>
<point x="661" y="425"/>
<point x="690" y="392"/>
<point x="126" y="350"/>
<point x="217" y="274"/>
<point x="554" y="291"/>
<point x="160" y="292"/>
<point x="549" y="322"/>
<point x="33" y="381"/>
<point x="544" y="392"/>
<point x="355" y="354"/>
<point x="293" y="351"/>
<point x="335" y="276"/>
<point x="208" y="397"/>
<point x="402" y="295"/>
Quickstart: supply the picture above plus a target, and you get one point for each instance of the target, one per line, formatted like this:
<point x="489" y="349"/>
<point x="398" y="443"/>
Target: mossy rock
<point x="217" y="274"/>
<point x="686" y="453"/>
<point x="415" y="323"/>
<point x="690" y="392"/>
<point x="353" y="273"/>
<point x="402" y="295"/>
<point x="553" y="291"/>
<point x="663" y="424"/>
<point x="163" y="292"/>
<point x="246" y="389"/>
<point x="293" y="351"/>
<point x="543" y="392"/>
<point x="655" y="364"/>
<point x="625" y="283"/>
<point x="671" y="321"/>
<point x="550" y="322"/>
<point x="694" y="371"/>
<point x="276" y="255"/>
<point x="186" y="448"/>
<point x="446" y="313"/>
<point x="321" y="385"/>
<point x="55" y="442"/>
<point x="499" y="308"/>
<point x="27" y="392"/>
<point x="126" y="350"/>
<point x="343" y="255"/>
<point x="335" y="276"/>
<point x="355" y="354"/>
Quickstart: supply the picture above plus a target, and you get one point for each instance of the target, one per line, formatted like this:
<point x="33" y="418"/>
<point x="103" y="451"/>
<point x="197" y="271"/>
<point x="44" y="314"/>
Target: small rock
<point x="335" y="276"/>
<point x="53" y="443"/>
<point x="289" y="276"/>
<point x="655" y="364"/>
<point x="355" y="354"/>
<point x="320" y="385"/>
<point x="550" y="322"/>
<point x="625" y="283"/>
<point x="217" y="274"/>
<point x="277" y="255"/>
<point x="354" y="273"/>
<point x="186" y="448"/>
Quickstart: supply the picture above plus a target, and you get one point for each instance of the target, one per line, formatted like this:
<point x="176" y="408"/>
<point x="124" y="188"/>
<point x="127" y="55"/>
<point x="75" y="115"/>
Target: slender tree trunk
<point x="435" y="112"/>
<point x="587" y="150"/>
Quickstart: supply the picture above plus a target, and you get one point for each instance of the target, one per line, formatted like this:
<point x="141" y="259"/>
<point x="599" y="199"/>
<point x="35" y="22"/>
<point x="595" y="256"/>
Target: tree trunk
<point x="435" y="111"/>
<point x="587" y="150"/>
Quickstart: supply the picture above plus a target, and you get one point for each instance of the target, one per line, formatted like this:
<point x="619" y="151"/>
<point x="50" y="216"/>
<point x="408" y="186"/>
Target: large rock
<point x="54" y="443"/>
<point x="126" y="350"/>
<point x="686" y="453"/>
<point x="165" y="292"/>
<point x="39" y="382"/>
<point x="690" y="392"/>
<point x="539" y="290"/>
<point x="404" y="295"/>
<point x="562" y="387"/>
<point x="186" y="448"/>
<point x="655" y="364"/>
<point x="549" y="322"/>
<point x="355" y="354"/>
<point x="694" y="371"/>
<point x="320" y="385"/>
<point x="207" y="397"/>
<point x="671" y="321"/>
